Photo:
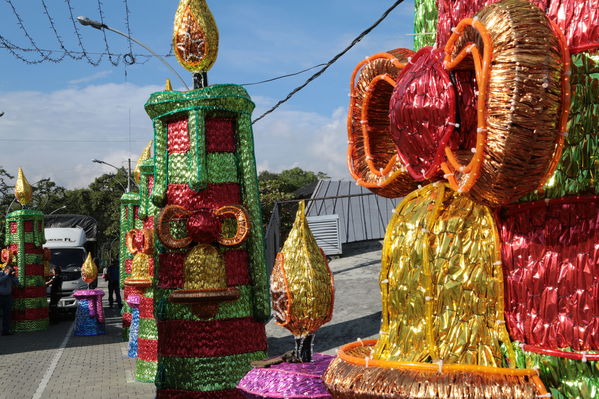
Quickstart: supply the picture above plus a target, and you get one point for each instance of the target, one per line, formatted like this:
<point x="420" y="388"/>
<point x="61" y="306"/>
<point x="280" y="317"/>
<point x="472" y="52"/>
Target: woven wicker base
<point x="204" y="303"/>
<point x="347" y="378"/>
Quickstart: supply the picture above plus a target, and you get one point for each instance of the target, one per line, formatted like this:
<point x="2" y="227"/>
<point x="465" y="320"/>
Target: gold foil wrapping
<point x="302" y="287"/>
<point x="441" y="282"/>
<point x="89" y="270"/>
<point x="195" y="36"/>
<point x="146" y="153"/>
<point x="23" y="190"/>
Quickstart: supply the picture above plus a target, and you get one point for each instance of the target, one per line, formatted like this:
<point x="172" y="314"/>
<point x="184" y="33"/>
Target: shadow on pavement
<point x="51" y="338"/>
<point x="331" y="336"/>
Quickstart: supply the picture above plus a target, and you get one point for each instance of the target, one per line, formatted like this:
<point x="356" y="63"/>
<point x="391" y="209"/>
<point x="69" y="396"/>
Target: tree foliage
<point x="101" y="200"/>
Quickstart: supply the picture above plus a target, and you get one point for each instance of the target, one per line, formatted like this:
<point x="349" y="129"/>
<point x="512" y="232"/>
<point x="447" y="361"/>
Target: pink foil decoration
<point x="94" y="298"/>
<point x="550" y="257"/>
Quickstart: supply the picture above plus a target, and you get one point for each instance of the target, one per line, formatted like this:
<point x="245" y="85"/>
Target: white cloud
<point x="90" y="78"/>
<point x="57" y="134"/>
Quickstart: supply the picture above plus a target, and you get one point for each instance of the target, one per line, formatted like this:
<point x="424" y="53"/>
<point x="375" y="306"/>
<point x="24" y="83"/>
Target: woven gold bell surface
<point x="302" y="285"/>
<point x="195" y="36"/>
<point x="140" y="267"/>
<point x="204" y="269"/>
<point x="441" y="282"/>
<point x="145" y="154"/>
<point x="23" y="190"/>
<point x="89" y="271"/>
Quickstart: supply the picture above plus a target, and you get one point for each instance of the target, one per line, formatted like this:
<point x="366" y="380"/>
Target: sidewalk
<point x="32" y="365"/>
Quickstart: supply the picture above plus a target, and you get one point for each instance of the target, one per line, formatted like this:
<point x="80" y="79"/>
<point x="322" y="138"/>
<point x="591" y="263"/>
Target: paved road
<point x="33" y="365"/>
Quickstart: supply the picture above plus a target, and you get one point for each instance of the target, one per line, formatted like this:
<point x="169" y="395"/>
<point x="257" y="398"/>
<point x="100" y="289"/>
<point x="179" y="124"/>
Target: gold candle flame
<point x="89" y="271"/>
<point x="23" y="190"/>
<point x="145" y="154"/>
<point x="195" y="36"/>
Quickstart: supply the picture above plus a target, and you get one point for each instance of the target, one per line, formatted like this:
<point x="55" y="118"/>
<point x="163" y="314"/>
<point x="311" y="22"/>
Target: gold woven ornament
<point x="140" y="271"/>
<point x="195" y="36"/>
<point x="441" y="282"/>
<point x="145" y="154"/>
<point x="89" y="270"/>
<point x="23" y="190"/>
<point x="302" y="286"/>
<point x="204" y="269"/>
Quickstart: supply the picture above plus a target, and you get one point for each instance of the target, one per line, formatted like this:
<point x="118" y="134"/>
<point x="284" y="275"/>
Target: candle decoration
<point x="302" y="287"/>
<point x="24" y="237"/>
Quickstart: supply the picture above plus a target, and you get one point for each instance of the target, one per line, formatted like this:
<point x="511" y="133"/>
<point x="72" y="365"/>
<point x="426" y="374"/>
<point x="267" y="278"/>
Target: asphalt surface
<point x="53" y="364"/>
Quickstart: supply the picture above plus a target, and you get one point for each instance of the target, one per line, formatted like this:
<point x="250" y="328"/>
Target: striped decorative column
<point x="24" y="239"/>
<point x="129" y="209"/>
<point x="147" y="342"/>
<point x="204" y="161"/>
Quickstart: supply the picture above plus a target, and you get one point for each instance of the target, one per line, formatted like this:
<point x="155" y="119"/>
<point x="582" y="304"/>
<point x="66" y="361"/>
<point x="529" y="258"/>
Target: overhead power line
<point x="332" y="61"/>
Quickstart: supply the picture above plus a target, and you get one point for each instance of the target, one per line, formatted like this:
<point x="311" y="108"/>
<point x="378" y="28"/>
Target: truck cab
<point x="69" y="244"/>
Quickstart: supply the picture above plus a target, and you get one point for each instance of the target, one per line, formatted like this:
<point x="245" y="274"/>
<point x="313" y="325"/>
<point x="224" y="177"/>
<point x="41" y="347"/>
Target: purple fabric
<point x="94" y="298"/>
<point x="134" y="300"/>
<point x="288" y="380"/>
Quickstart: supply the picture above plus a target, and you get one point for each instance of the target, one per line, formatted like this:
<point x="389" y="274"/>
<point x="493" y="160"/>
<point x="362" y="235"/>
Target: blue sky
<point x="61" y="115"/>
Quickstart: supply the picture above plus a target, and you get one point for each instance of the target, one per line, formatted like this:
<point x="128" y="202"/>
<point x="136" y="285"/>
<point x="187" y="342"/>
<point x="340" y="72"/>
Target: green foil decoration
<point x="565" y="378"/>
<point x="425" y="23"/>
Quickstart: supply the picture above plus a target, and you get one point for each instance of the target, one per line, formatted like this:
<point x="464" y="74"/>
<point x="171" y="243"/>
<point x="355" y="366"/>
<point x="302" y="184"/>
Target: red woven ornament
<point x="147" y="349"/>
<point x="551" y="262"/>
<point x="203" y="226"/>
<point x="30" y="314"/>
<point x="422" y="114"/>
<point x="13" y="227"/>
<point x="146" y="308"/>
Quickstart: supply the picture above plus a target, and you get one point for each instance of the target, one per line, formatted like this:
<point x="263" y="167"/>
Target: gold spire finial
<point x="89" y="270"/>
<point x="145" y="154"/>
<point x="23" y="190"/>
<point x="168" y="86"/>
<point x="195" y="36"/>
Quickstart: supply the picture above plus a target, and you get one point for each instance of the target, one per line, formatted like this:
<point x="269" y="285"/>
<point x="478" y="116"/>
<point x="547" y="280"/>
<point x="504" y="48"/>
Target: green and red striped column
<point x="204" y="160"/>
<point x="24" y="240"/>
<point x="128" y="220"/>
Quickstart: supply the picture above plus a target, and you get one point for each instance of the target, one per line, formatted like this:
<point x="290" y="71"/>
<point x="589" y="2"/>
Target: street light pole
<point x="85" y="21"/>
<point x="128" y="189"/>
<point x="57" y="209"/>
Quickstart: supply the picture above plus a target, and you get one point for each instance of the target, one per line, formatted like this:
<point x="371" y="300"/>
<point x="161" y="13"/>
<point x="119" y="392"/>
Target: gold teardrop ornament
<point x="89" y="271"/>
<point x="23" y="190"/>
<point x="195" y="36"/>
<point x="302" y="286"/>
<point x="145" y="154"/>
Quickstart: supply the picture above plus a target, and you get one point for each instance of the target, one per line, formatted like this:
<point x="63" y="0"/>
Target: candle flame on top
<point x="23" y="190"/>
<point x="144" y="156"/>
<point x="195" y="36"/>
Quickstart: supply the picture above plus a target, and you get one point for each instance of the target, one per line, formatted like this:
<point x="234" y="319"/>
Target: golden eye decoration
<point x="89" y="271"/>
<point x="23" y="190"/>
<point x="195" y="36"/>
<point x="145" y="154"/>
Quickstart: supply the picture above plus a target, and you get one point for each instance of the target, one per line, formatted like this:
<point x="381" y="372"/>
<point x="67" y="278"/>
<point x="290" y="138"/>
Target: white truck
<point x="70" y="238"/>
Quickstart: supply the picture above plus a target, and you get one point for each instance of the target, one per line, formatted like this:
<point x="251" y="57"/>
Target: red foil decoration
<point x="213" y="197"/>
<point x="147" y="349"/>
<point x="220" y="135"/>
<point x="178" y="137"/>
<point x="236" y="261"/>
<point x="550" y="256"/>
<point x="422" y="113"/>
<point x="578" y="19"/>
<point x="170" y="272"/>
<point x="210" y="338"/>
<point x="203" y="226"/>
